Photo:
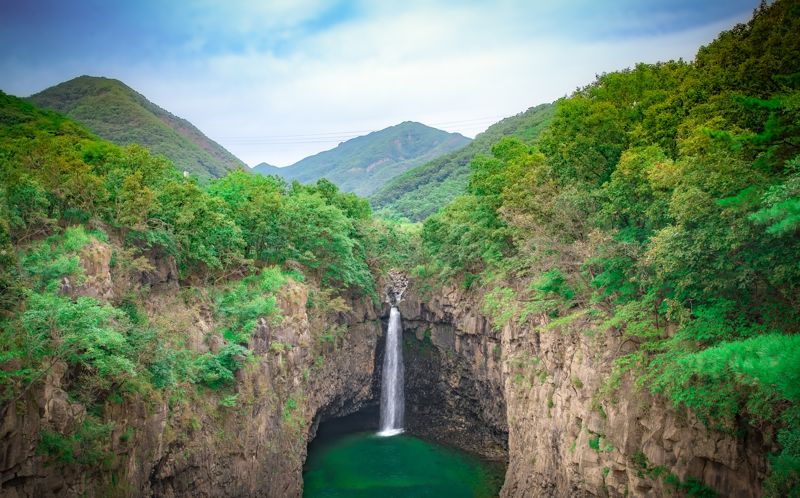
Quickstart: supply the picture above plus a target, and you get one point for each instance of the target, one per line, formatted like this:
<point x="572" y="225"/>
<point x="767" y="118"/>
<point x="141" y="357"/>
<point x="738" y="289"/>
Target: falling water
<point x="392" y="397"/>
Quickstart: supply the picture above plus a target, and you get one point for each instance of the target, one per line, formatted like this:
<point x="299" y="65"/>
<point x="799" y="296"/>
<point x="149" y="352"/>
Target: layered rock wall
<point x="527" y="394"/>
<point x="454" y="376"/>
<point x="541" y="384"/>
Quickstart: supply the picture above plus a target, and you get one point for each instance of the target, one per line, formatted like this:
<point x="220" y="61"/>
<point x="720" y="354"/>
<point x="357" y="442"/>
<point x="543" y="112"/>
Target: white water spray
<point x="392" y="395"/>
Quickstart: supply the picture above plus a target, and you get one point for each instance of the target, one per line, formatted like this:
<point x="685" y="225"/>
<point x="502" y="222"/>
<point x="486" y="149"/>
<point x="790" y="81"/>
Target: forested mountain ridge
<point x="662" y="206"/>
<point x="266" y="169"/>
<point x="423" y="190"/>
<point x="364" y="163"/>
<point x="121" y="115"/>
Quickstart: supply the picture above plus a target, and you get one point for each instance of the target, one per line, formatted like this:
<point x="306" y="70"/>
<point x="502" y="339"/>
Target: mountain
<point x="118" y="113"/>
<point x="421" y="191"/>
<point x="267" y="169"/>
<point x="364" y="163"/>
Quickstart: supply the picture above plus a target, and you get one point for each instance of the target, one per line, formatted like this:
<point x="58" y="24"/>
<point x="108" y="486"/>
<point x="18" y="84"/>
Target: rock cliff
<point x="540" y="386"/>
<point x="527" y="395"/>
<point x="195" y="444"/>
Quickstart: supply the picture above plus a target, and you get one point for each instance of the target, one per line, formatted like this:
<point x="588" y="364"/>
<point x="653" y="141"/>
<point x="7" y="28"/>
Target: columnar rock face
<point x="525" y="394"/>
<point x="541" y="384"/>
<point x="260" y="449"/>
<point x="454" y="375"/>
<point x="194" y="445"/>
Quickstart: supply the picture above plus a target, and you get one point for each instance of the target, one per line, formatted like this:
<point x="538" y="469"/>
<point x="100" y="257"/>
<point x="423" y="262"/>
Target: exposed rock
<point x="563" y="440"/>
<point x="95" y="259"/>
<point x="396" y="285"/>
<point x="454" y="377"/>
<point x="525" y="393"/>
<point x="163" y="270"/>
<point x="198" y="447"/>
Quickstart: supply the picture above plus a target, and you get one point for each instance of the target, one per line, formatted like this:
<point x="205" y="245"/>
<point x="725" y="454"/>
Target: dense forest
<point x="661" y="202"/>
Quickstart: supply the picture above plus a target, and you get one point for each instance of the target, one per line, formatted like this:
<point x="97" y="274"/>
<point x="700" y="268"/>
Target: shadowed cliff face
<point x="472" y="386"/>
<point x="454" y="383"/>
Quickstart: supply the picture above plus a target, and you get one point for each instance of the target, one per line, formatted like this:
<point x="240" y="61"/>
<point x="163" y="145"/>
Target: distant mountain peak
<point x="423" y="190"/>
<point x="118" y="113"/>
<point x="363" y="164"/>
<point x="266" y="169"/>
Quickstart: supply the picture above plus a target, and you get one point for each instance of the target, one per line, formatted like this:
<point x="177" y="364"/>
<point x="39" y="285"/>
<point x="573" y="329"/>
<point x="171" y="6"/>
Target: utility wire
<point x="335" y="137"/>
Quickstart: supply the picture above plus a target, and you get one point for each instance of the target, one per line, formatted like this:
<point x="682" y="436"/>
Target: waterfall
<point x="392" y="396"/>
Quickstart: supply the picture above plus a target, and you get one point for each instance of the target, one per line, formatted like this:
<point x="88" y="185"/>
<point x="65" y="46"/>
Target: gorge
<point x="600" y="297"/>
<point x="468" y="385"/>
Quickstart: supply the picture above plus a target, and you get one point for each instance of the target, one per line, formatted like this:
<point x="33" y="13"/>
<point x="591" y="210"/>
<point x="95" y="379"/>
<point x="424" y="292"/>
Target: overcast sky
<point x="276" y="81"/>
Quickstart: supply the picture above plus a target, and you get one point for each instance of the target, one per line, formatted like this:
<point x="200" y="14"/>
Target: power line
<point x="335" y="137"/>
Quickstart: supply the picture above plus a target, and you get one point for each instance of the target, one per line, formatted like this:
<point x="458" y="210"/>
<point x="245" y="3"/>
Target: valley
<point x="596" y="297"/>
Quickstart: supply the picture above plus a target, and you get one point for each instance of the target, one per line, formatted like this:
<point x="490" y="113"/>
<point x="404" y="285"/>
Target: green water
<point x="363" y="465"/>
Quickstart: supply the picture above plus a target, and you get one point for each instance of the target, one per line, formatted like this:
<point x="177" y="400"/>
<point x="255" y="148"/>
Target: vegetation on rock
<point x="661" y="203"/>
<point x="67" y="196"/>
<point x="663" y="199"/>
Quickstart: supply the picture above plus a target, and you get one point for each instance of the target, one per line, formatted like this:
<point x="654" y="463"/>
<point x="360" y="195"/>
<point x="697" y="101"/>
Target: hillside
<point x="119" y="114"/>
<point x="87" y="229"/>
<point x="362" y="164"/>
<point x="655" y="227"/>
<point x="421" y="191"/>
<point x="266" y="169"/>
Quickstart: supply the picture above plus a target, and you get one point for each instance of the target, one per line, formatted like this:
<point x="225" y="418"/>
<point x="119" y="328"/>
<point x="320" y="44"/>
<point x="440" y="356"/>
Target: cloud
<point x="282" y="80"/>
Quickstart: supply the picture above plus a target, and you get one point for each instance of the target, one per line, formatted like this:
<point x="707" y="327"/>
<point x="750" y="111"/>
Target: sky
<point x="276" y="81"/>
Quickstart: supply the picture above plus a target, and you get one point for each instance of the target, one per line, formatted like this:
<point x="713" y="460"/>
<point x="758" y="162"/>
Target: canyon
<point x="525" y="396"/>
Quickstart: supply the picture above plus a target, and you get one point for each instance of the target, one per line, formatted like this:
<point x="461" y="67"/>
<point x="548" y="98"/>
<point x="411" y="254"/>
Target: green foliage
<point x="203" y="232"/>
<point x="690" y="487"/>
<point x="500" y="306"/>
<point x="87" y="334"/>
<point x="293" y="413"/>
<point x="784" y="479"/>
<point x="55" y="258"/>
<point x="240" y="306"/>
<point x="217" y="370"/>
<point x="86" y="445"/>
<point x="319" y="236"/>
<point x="94" y="338"/>
<point x="757" y="373"/>
<point x="246" y="234"/>
<point x="54" y="170"/>
<point x="255" y="203"/>
<point x="781" y="204"/>
<point x="229" y="401"/>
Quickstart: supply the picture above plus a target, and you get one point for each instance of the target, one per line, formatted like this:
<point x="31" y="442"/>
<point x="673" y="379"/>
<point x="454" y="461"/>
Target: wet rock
<point x="396" y="285"/>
